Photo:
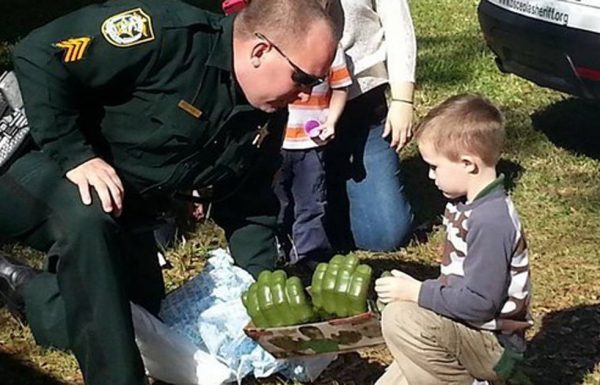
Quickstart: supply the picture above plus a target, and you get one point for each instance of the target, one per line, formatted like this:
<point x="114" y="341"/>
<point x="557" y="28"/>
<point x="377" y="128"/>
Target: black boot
<point x="13" y="277"/>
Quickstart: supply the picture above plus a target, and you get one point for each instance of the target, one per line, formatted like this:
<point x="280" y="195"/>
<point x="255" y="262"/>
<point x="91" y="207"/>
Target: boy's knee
<point x="397" y="314"/>
<point x="402" y="318"/>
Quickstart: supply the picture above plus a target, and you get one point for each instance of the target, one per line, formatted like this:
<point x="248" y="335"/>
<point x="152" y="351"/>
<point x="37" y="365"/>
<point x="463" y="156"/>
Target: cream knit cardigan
<point x="379" y="41"/>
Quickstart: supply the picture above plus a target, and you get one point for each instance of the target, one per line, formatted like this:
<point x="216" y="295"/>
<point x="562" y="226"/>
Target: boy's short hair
<point x="464" y="124"/>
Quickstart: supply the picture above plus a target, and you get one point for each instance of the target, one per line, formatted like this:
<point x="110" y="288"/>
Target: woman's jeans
<point x="368" y="205"/>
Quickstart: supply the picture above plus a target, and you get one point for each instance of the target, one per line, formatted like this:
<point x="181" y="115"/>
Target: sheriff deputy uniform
<point x="148" y="86"/>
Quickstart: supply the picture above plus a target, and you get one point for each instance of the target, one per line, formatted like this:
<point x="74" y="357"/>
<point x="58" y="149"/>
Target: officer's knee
<point x="88" y="221"/>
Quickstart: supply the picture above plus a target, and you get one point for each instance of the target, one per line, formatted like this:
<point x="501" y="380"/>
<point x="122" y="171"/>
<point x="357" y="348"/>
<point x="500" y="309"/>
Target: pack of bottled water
<point x="208" y="310"/>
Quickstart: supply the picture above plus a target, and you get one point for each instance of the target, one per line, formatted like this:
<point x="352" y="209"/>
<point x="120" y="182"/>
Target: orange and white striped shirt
<point x="316" y="107"/>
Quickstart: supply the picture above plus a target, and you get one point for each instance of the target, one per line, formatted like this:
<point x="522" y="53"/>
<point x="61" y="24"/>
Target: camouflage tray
<point x="340" y="335"/>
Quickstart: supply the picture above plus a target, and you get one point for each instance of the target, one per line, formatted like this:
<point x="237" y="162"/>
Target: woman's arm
<point x="401" y="46"/>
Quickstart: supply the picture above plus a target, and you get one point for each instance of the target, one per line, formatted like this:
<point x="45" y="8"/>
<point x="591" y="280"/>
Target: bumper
<point x="550" y="55"/>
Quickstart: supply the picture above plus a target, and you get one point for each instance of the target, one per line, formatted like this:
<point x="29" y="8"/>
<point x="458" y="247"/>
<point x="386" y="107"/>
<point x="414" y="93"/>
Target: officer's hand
<point x="102" y="177"/>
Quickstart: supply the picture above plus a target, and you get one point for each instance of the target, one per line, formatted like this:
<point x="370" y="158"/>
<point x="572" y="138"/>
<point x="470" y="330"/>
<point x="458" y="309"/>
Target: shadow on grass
<point x="418" y="270"/>
<point x="351" y="368"/>
<point x="443" y="58"/>
<point x="512" y="173"/>
<point x="15" y="372"/>
<point x="428" y="202"/>
<point x="573" y="124"/>
<point x="567" y="346"/>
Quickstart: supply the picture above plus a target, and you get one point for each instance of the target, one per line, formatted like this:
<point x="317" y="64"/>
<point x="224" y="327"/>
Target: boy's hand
<point x="399" y="287"/>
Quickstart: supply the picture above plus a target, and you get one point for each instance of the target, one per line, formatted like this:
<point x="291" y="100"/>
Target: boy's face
<point x="451" y="177"/>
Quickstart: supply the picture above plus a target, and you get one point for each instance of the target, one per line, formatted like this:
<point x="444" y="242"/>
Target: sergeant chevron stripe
<point x="74" y="48"/>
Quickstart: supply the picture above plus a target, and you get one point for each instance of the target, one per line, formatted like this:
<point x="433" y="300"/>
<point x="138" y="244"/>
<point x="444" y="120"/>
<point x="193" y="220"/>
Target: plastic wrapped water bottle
<point x="209" y="311"/>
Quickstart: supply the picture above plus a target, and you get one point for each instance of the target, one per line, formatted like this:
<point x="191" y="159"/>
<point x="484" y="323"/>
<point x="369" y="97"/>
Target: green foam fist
<point x="340" y="287"/>
<point x="275" y="300"/>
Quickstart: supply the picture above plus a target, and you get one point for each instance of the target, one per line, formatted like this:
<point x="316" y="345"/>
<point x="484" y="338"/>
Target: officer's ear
<point x="257" y="53"/>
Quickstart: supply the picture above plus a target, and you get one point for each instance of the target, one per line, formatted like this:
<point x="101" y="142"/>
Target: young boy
<point x="301" y="186"/>
<point x="455" y="329"/>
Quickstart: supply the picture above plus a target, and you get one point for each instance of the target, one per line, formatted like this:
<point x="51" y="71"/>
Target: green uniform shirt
<point x="149" y="87"/>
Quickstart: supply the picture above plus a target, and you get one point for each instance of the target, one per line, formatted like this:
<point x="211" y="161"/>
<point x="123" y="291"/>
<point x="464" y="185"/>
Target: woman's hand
<point x="399" y="123"/>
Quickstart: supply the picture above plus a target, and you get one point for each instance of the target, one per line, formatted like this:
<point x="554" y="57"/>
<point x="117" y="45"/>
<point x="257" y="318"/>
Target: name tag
<point x="189" y="108"/>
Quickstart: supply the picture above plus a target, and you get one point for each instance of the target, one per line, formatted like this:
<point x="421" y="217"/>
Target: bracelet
<point x="402" y="101"/>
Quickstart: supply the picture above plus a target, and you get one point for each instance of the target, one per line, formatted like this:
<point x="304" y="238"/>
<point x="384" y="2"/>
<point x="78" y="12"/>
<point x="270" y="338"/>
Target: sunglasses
<point x="298" y="76"/>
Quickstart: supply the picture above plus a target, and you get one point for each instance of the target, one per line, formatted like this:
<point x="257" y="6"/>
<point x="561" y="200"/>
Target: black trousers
<point x="96" y="265"/>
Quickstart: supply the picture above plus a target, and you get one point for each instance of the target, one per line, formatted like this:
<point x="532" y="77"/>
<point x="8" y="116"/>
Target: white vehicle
<point x="554" y="43"/>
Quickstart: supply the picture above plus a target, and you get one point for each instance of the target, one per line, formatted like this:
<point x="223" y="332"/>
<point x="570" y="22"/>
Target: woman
<point x="379" y="39"/>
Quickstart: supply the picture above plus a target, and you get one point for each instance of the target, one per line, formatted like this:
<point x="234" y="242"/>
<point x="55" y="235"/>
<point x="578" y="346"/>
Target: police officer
<point x="129" y="102"/>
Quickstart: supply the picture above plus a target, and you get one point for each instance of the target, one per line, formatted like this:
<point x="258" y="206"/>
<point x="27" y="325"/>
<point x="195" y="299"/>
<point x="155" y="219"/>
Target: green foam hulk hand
<point x="299" y="303"/>
<point x="275" y="300"/>
<point x="340" y="287"/>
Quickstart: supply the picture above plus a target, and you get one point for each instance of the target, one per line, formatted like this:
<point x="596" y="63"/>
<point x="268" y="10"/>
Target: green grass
<point x="553" y="160"/>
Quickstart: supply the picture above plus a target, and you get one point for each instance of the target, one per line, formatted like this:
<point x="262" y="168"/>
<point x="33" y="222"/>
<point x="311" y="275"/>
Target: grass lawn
<point x="553" y="163"/>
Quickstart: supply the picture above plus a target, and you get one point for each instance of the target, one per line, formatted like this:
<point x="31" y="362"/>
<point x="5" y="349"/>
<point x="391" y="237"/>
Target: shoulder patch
<point x="73" y="48"/>
<point x="128" y="28"/>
